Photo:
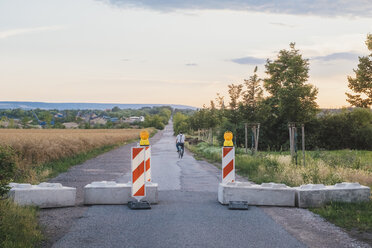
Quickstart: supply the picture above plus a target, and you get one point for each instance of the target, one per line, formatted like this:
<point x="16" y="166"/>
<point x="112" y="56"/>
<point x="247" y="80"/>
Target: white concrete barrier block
<point x="267" y="194"/>
<point x="116" y="193"/>
<point x="44" y="195"/>
<point x="317" y="195"/>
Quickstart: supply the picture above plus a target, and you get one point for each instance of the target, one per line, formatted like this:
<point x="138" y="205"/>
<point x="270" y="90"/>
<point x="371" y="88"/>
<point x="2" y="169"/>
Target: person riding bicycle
<point x="180" y="141"/>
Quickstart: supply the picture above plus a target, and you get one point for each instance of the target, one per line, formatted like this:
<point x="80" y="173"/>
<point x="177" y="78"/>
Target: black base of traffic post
<point x="238" y="205"/>
<point x="139" y="205"/>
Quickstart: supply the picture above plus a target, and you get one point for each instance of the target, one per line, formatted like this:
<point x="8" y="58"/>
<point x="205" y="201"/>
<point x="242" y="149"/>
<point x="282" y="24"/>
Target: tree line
<point x="21" y="118"/>
<point x="284" y="96"/>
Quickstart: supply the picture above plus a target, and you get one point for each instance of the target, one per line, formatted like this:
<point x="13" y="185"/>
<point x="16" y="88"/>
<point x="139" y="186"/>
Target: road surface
<point x="188" y="213"/>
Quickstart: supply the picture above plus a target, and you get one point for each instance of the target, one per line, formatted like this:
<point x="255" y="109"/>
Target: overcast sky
<point x="163" y="51"/>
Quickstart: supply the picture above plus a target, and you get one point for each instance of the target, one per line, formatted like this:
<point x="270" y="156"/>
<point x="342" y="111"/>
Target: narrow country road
<point x="188" y="213"/>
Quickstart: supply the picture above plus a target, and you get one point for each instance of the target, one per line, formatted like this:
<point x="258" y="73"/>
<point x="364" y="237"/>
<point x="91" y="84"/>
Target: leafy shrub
<point x="154" y="121"/>
<point x="330" y="130"/>
<point x="348" y="129"/>
<point x="180" y="123"/>
<point x="7" y="168"/>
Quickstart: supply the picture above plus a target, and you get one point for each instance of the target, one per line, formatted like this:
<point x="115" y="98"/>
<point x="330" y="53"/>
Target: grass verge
<point x="52" y="169"/>
<point x="348" y="215"/>
<point x="326" y="167"/>
<point x="18" y="226"/>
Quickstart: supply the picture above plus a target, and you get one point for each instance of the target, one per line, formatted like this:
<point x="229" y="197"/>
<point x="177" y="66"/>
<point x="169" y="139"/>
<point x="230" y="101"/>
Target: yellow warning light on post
<point x="228" y="136"/>
<point x="144" y="138"/>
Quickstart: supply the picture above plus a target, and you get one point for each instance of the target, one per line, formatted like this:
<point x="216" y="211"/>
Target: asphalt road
<point x="188" y="213"/>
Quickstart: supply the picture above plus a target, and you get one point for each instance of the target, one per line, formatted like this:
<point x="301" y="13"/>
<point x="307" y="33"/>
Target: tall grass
<point x="327" y="167"/>
<point x="348" y="215"/>
<point x="18" y="226"/>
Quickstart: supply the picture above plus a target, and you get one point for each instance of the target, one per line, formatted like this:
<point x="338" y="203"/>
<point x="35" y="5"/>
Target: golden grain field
<point x="38" y="146"/>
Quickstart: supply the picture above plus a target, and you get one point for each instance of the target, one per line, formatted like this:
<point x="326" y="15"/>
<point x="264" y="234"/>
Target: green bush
<point x="7" y="168"/>
<point x="180" y="123"/>
<point x="18" y="226"/>
<point x="349" y="129"/>
<point x="154" y="121"/>
<point x="330" y="130"/>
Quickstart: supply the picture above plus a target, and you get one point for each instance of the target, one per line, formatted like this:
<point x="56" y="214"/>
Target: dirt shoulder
<point x="311" y="229"/>
<point x="108" y="166"/>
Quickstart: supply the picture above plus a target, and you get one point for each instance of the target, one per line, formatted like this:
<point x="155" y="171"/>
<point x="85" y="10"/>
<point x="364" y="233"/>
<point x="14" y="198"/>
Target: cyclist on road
<point x="180" y="141"/>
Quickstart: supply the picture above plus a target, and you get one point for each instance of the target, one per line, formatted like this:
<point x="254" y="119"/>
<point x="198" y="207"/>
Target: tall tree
<point x="235" y="93"/>
<point x="220" y="101"/>
<point x="213" y="120"/>
<point x="220" y="107"/>
<point x="252" y="96"/>
<point x="362" y="83"/>
<point x="209" y="116"/>
<point x="291" y="95"/>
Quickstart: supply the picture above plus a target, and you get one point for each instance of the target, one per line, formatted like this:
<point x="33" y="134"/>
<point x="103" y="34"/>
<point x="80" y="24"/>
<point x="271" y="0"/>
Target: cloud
<point x="249" y="61"/>
<point x="295" y="7"/>
<point x="338" y="56"/>
<point x="191" y="64"/>
<point x="282" y="24"/>
<point x="22" y="31"/>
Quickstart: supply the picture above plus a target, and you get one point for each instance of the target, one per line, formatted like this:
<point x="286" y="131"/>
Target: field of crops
<point x="35" y="147"/>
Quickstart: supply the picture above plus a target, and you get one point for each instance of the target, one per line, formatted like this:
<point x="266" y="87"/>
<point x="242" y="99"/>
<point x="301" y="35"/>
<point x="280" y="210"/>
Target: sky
<point x="172" y="52"/>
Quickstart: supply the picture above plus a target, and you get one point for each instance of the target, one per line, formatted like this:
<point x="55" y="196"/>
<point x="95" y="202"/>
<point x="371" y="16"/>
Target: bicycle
<point x="180" y="152"/>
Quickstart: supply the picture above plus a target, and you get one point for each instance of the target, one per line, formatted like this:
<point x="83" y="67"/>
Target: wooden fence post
<point x="246" y="137"/>
<point x="303" y="143"/>
<point x="258" y="135"/>
<point x="290" y="141"/>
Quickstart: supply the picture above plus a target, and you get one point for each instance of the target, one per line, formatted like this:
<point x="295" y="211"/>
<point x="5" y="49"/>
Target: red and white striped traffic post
<point x="148" y="163"/>
<point x="141" y="172"/>
<point x="228" y="159"/>
<point x="138" y="173"/>
<point x="228" y="174"/>
<point x="146" y="144"/>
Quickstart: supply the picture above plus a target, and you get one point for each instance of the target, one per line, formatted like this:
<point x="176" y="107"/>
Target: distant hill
<point x="100" y="106"/>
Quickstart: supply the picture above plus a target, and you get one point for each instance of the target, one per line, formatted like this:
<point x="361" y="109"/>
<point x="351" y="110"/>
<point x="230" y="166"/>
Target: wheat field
<point x="38" y="146"/>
